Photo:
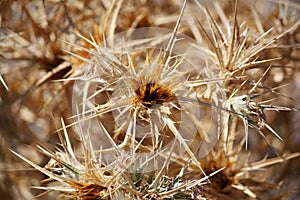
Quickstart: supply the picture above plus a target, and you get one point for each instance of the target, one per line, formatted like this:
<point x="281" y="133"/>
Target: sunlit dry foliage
<point x="142" y="99"/>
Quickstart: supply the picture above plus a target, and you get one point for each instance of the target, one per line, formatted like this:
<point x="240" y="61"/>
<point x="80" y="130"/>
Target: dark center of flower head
<point x="151" y="93"/>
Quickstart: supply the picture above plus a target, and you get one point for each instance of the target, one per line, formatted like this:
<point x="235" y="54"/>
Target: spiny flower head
<point x="146" y="100"/>
<point x="145" y="82"/>
<point x="243" y="58"/>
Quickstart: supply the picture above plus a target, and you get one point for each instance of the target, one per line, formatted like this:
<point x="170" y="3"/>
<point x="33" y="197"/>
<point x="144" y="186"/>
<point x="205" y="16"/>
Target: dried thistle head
<point x="242" y="53"/>
<point x="239" y="176"/>
<point x="72" y="176"/>
<point x="148" y="88"/>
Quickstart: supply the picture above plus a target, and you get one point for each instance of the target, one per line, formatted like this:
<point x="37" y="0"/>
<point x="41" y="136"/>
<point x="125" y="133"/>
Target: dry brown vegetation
<point x="238" y="60"/>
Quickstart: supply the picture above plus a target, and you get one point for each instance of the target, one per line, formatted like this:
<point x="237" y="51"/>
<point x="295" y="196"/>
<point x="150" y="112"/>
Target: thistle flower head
<point x="148" y="88"/>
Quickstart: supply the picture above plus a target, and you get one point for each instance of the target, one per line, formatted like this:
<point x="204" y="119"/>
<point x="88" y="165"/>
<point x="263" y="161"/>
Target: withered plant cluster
<point x="141" y="99"/>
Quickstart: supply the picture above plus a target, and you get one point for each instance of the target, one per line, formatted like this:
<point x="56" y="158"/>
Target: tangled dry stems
<point x="254" y="55"/>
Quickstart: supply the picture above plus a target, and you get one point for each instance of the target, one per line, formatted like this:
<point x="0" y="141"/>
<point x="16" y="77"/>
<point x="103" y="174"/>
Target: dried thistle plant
<point x="150" y="104"/>
<point x="238" y="50"/>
